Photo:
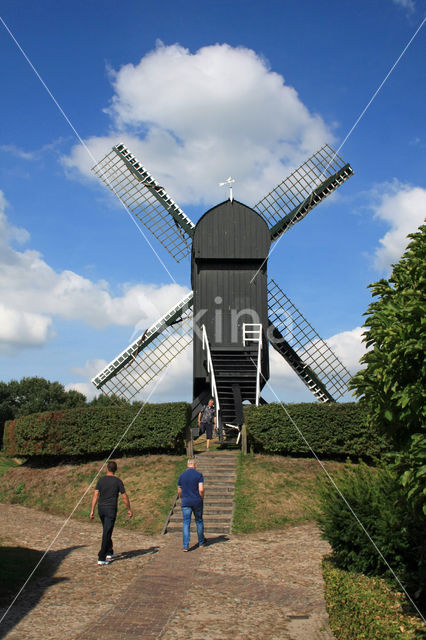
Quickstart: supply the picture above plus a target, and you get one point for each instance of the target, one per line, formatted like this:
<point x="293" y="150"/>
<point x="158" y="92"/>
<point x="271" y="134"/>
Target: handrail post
<point x="259" y="356"/>
<point x="210" y="370"/>
<point x="189" y="441"/>
<point x="244" y="439"/>
<point x="253" y="333"/>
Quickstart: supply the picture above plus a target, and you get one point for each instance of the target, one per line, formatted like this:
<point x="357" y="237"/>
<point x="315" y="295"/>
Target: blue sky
<point x="198" y="91"/>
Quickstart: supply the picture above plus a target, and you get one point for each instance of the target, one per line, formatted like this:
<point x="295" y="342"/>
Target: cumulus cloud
<point x="403" y="208"/>
<point x="194" y="118"/>
<point x="22" y="329"/>
<point x="85" y="388"/>
<point x="32" y="294"/>
<point x="348" y="347"/>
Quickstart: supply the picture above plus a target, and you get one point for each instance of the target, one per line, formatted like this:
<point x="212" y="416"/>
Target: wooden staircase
<point x="219" y="469"/>
<point x="235" y="368"/>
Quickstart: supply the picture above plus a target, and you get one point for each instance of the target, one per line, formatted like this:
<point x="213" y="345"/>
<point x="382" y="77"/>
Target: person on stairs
<point x="191" y="494"/>
<point x="207" y="421"/>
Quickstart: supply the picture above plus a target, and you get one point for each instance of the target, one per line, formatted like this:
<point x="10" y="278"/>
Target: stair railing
<point x="210" y="370"/>
<point x="253" y="333"/>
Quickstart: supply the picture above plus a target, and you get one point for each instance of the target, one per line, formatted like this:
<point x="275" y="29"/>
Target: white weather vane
<point x="228" y="182"/>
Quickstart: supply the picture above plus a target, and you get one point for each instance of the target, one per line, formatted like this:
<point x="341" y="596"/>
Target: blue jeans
<point x="198" y="515"/>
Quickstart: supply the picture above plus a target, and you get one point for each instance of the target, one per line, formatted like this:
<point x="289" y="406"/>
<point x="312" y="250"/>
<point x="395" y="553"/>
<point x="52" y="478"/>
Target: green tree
<point x="34" y="395"/>
<point x="6" y="411"/>
<point x="109" y="401"/>
<point x="393" y="383"/>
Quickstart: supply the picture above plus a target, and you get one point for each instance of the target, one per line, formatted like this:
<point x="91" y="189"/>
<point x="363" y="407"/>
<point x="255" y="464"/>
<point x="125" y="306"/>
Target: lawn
<point x="276" y="491"/>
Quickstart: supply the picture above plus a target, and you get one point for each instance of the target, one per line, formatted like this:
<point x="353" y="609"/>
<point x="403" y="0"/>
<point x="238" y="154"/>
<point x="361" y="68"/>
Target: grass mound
<point x="275" y="491"/>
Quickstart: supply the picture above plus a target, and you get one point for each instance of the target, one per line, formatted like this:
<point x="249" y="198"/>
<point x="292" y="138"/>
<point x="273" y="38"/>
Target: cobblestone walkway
<point x="259" y="587"/>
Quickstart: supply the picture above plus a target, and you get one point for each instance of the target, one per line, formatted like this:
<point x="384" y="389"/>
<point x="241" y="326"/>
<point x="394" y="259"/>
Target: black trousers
<point x="107" y="516"/>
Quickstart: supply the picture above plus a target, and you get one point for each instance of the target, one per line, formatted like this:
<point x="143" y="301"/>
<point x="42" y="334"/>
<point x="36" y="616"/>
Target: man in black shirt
<point x="107" y="490"/>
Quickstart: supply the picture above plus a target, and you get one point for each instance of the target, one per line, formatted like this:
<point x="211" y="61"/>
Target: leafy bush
<point x="363" y="608"/>
<point x="97" y="430"/>
<point x="393" y="384"/>
<point x="375" y="498"/>
<point x="332" y="430"/>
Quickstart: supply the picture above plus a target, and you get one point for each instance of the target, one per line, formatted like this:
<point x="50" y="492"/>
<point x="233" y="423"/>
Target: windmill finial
<point x="228" y="182"/>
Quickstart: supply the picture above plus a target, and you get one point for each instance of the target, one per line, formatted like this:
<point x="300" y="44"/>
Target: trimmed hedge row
<point x="360" y="607"/>
<point x="97" y="430"/>
<point x="332" y="430"/>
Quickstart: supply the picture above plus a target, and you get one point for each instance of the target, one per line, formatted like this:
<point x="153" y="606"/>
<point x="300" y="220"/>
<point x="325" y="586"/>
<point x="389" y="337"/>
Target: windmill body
<point x="233" y="312"/>
<point x="230" y="248"/>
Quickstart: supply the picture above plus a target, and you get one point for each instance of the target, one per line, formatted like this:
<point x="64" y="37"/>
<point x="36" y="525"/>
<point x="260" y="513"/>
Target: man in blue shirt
<point x="191" y="494"/>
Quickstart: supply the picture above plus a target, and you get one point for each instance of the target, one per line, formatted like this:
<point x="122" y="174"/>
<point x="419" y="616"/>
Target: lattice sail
<point x="303" y="190"/>
<point x="312" y="353"/>
<point x="147" y="200"/>
<point x="135" y="367"/>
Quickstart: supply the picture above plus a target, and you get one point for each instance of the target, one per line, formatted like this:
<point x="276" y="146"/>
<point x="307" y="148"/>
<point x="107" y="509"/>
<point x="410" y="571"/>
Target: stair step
<point x="224" y="529"/>
<point x="220" y="472"/>
<point x="212" y="469"/>
<point x="215" y="519"/>
<point x="217" y="466"/>
<point x="218" y="479"/>
<point x="218" y="493"/>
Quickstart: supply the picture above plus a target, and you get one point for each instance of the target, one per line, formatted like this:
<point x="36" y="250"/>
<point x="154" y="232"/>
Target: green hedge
<point x="363" y="608"/>
<point x="89" y="431"/>
<point x="375" y="495"/>
<point x="334" y="430"/>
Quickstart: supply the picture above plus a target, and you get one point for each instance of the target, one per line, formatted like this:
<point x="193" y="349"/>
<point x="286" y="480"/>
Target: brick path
<point x="144" y="609"/>
<point x="265" y="586"/>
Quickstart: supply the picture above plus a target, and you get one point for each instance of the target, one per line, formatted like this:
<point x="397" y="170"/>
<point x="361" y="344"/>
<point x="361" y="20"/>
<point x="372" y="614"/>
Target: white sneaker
<point x="111" y="556"/>
<point x="104" y="562"/>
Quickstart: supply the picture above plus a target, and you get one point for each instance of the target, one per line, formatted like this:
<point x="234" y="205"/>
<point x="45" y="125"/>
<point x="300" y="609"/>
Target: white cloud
<point x="348" y="347"/>
<point x="17" y="152"/>
<point x="32" y="294"/>
<point x="22" y="329"/>
<point x="409" y="5"/>
<point x="86" y="388"/>
<point x="90" y="368"/>
<point x="194" y="118"/>
<point x="403" y="208"/>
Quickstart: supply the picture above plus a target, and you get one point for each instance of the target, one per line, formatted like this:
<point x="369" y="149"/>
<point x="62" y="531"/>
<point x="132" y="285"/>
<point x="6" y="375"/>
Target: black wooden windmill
<point x="233" y="312"/>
